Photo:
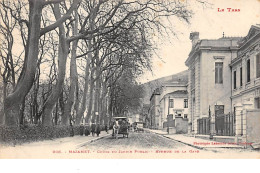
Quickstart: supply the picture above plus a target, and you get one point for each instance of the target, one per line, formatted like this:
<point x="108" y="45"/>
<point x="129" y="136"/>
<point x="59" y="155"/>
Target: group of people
<point x="93" y="129"/>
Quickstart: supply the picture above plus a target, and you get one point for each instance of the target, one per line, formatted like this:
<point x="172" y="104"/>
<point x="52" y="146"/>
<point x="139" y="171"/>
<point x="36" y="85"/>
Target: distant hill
<point x="152" y="85"/>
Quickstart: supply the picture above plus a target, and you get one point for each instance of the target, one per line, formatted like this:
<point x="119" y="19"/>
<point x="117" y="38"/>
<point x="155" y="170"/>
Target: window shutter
<point x="241" y="77"/>
<point x="258" y="66"/>
<point x="235" y="79"/>
<point x="216" y="74"/>
<point x="248" y="70"/>
<point x="221" y="73"/>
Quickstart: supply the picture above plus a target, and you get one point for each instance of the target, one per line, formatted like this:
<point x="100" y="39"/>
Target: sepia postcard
<point x="130" y="79"/>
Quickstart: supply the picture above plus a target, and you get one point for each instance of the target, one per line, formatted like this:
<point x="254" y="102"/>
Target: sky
<point x="210" y="24"/>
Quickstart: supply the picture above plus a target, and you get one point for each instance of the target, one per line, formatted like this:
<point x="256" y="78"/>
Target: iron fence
<point x="225" y="125"/>
<point x="203" y="126"/>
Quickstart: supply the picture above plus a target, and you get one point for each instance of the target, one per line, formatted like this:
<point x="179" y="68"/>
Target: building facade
<point x="154" y="109"/>
<point x="224" y="86"/>
<point x="209" y="85"/>
<point x="167" y="99"/>
<point x="245" y="69"/>
<point x="173" y="101"/>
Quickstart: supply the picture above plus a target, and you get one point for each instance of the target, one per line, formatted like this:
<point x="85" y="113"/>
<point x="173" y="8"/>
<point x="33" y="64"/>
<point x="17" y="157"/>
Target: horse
<point x="116" y="129"/>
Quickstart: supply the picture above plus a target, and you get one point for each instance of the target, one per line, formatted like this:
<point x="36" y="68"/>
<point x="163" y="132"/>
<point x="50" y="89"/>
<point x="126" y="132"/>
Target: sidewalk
<point x="47" y="147"/>
<point x="195" y="142"/>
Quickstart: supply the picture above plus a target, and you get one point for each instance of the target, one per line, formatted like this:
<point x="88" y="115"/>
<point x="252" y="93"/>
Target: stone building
<point x="175" y="103"/>
<point x="173" y="96"/>
<point x="154" y="109"/>
<point x="245" y="96"/>
<point x="209" y="86"/>
<point x="169" y="98"/>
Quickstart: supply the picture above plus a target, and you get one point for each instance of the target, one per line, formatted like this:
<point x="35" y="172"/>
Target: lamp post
<point x="169" y="106"/>
<point x="168" y="130"/>
<point x="210" y="134"/>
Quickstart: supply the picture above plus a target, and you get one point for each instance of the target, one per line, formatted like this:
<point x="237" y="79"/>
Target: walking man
<point x="98" y="130"/>
<point x="93" y="129"/>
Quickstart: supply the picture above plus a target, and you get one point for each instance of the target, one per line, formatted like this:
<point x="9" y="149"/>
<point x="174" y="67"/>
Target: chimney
<point x="194" y="37"/>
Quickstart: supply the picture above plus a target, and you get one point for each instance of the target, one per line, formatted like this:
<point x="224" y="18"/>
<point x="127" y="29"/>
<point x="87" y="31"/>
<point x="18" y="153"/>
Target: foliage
<point x="22" y="134"/>
<point x="126" y="95"/>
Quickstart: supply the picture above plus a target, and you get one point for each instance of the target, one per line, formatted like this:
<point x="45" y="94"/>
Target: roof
<point x="138" y="122"/>
<point x="150" y="86"/>
<point x="179" y="92"/>
<point x="254" y="29"/>
<point x="155" y="92"/>
<point x="119" y="117"/>
<point x="221" y="44"/>
<point x="250" y="39"/>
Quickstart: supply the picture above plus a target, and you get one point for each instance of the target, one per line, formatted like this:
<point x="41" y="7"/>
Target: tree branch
<point x="62" y="19"/>
<point x="47" y="2"/>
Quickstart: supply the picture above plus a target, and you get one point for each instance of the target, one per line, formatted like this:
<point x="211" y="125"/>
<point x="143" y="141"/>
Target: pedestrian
<point x="98" y="129"/>
<point x="106" y="128"/>
<point x="87" y="130"/>
<point x="71" y="130"/>
<point x="81" y="129"/>
<point x="93" y="128"/>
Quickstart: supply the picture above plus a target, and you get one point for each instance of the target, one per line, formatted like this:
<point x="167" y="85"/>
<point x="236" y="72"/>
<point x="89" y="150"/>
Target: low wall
<point x="225" y="139"/>
<point x="252" y="126"/>
<point x="172" y="130"/>
<point x="181" y="125"/>
<point x="171" y="124"/>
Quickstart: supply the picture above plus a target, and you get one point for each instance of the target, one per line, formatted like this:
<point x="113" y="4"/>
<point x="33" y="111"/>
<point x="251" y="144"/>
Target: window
<point x="258" y="65"/>
<point x="235" y="79"/>
<point x="171" y="103"/>
<point x="185" y="115"/>
<point x="185" y="103"/>
<point x="219" y="110"/>
<point x="248" y="70"/>
<point x="219" y="72"/>
<point x="241" y="77"/>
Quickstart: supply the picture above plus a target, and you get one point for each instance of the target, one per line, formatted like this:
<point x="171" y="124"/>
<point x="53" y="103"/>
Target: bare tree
<point x="118" y="36"/>
<point x="26" y="78"/>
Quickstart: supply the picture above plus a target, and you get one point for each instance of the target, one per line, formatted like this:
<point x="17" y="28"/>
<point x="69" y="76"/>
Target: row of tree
<point x="103" y="45"/>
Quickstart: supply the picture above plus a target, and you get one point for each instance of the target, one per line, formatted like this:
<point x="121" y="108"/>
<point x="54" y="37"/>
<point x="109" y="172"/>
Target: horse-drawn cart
<point x="121" y="126"/>
<point x="139" y="127"/>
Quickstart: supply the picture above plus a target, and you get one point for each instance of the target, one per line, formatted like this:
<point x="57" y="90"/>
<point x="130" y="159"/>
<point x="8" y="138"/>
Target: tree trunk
<point x="84" y="97"/>
<point x="90" y="105"/>
<point x="14" y="100"/>
<point x="97" y="88"/>
<point x="102" y="101"/>
<point x="56" y="114"/>
<point x="96" y="104"/>
<point x="62" y="60"/>
<point x="73" y="86"/>
<point x="21" y="113"/>
<point x="61" y="103"/>
<point x="73" y="77"/>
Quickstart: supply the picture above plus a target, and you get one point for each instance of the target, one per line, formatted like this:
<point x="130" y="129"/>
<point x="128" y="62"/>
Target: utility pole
<point x="210" y="133"/>
<point x="168" y="128"/>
